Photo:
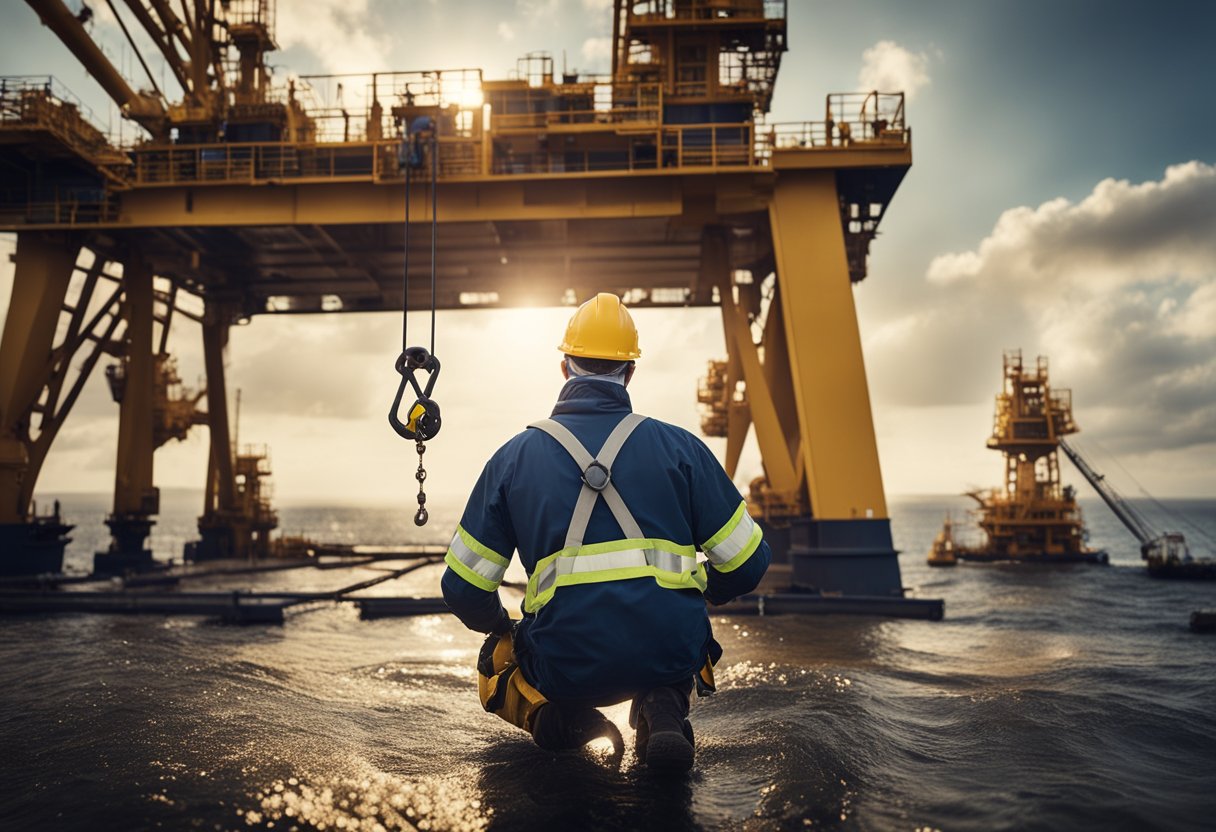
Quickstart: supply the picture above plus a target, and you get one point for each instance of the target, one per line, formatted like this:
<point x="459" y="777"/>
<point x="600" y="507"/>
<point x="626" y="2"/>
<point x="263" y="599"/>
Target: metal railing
<point x="707" y="9"/>
<point x="853" y="119"/>
<point x="41" y="102"/>
<point x="671" y="147"/>
<point x="662" y="147"/>
<point x="60" y="209"/>
<point x="624" y="139"/>
<point x="559" y="118"/>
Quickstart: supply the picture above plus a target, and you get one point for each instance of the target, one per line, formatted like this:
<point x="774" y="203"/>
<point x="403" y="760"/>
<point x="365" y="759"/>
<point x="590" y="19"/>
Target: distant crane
<point x="1167" y="554"/>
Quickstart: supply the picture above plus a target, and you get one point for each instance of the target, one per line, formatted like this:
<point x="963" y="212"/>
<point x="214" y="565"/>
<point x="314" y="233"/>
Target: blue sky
<point x="1038" y="214"/>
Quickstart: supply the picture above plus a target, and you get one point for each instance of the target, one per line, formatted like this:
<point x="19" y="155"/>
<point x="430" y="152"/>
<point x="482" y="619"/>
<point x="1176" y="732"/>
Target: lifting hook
<point x="423" y="421"/>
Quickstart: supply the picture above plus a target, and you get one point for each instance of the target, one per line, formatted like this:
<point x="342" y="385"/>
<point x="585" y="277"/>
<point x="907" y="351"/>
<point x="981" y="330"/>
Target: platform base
<point x="123" y="563"/>
<point x="214" y="543"/>
<point x="1196" y="570"/>
<point x="1098" y="558"/>
<point x="34" y="548"/>
<point x="230" y="607"/>
<point x="800" y="603"/>
<point x="836" y="557"/>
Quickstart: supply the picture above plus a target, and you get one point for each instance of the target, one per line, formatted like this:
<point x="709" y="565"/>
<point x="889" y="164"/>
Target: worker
<point x="607" y="510"/>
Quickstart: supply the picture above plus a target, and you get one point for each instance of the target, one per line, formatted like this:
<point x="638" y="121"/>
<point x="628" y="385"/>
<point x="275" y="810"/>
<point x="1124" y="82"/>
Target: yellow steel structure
<point x="660" y="182"/>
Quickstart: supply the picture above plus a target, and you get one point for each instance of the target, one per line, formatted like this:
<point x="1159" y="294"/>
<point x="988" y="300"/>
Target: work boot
<point x="664" y="738"/>
<point x="562" y="729"/>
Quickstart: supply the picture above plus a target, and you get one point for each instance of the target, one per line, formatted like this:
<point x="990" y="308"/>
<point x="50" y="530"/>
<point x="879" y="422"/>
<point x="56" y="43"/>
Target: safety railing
<point x="633" y="139"/>
<point x="590" y="101"/>
<point x="41" y="102"/>
<point x="707" y="9"/>
<point x="246" y="163"/>
<point x="17" y="91"/>
<point x="59" y="209"/>
<point x="558" y="118"/>
<point x="853" y="120"/>
<point x="683" y="146"/>
<point x="663" y="147"/>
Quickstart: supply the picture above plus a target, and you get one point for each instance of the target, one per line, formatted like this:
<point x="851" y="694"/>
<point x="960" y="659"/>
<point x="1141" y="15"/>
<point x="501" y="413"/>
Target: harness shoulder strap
<point x="587" y="495"/>
<point x="566" y="439"/>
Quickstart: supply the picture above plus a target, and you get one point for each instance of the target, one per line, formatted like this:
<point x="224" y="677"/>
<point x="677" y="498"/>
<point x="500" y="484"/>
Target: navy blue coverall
<point x="621" y="619"/>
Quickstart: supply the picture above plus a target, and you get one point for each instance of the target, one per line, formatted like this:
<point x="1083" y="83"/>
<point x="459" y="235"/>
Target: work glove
<point x="503" y="624"/>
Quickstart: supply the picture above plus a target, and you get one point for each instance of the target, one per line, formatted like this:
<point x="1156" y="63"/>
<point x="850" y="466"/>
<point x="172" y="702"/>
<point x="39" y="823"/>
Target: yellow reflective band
<point x="479" y="565"/>
<point x="476" y="545"/>
<point x="468" y="574"/>
<point x="671" y="565"/>
<point x="735" y="542"/>
<point x="726" y="529"/>
<point x="749" y="549"/>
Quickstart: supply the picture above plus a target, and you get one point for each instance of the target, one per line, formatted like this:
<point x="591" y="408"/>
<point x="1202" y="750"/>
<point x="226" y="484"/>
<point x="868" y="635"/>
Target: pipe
<point x="143" y="109"/>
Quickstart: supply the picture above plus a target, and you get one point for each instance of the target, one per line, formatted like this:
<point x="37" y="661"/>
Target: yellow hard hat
<point x="602" y="328"/>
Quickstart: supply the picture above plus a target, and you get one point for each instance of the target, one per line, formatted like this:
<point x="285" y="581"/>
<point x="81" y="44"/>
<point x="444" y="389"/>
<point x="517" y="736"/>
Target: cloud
<point x="597" y="6"/>
<point x="323" y="367"/>
<point x="340" y="33"/>
<point x="537" y="9"/>
<point x="888" y="67"/>
<point x="505" y="30"/>
<point x="1118" y="289"/>
<point x="597" y="50"/>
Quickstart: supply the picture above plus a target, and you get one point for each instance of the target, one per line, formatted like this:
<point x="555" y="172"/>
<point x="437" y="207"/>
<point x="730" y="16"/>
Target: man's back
<point x="607" y="511"/>
<point x="600" y="636"/>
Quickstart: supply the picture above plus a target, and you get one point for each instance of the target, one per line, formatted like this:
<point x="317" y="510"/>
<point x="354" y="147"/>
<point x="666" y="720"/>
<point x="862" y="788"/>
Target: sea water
<point x="1069" y="697"/>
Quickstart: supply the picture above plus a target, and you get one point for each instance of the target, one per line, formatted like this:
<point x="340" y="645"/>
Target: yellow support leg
<point x="222" y="534"/>
<point x="841" y="455"/>
<point x="44" y="264"/>
<point x="136" y="499"/>
<point x="844" y="545"/>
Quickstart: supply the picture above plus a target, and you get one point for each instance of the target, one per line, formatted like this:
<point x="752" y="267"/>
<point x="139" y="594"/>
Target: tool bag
<point x="501" y="684"/>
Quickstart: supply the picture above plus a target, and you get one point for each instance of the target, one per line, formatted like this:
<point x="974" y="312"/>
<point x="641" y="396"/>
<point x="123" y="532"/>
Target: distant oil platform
<point x="1033" y="517"/>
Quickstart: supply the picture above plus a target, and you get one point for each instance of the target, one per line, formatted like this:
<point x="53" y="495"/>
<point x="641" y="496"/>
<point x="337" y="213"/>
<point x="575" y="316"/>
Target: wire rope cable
<point x="1177" y="517"/>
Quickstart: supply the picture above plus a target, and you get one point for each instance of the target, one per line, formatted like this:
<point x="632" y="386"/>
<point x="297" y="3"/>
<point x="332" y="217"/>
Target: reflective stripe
<point x="671" y="565"/>
<point x="477" y="564"/>
<point x="735" y="542"/>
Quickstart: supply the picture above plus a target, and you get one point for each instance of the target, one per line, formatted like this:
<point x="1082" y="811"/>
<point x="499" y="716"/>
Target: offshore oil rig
<point x="661" y="181"/>
<point x="1032" y="517"/>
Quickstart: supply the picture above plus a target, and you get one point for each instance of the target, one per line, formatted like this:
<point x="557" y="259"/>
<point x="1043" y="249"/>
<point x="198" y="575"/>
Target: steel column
<point x="845" y="544"/>
<point x="44" y="264"/>
<point x="824" y="343"/>
<point x="136" y="499"/>
<point x="219" y="537"/>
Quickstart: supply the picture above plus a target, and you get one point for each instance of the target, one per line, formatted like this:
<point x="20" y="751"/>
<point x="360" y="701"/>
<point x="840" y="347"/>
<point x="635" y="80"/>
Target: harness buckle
<point x="597" y="476"/>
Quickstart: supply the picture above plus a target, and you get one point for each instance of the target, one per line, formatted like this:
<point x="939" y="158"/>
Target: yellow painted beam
<point x="602" y="197"/>
<point x="840" y="454"/>
<point x="221" y="482"/>
<point x="44" y="264"/>
<point x="133" y="489"/>
<point x="876" y="156"/>
<point x="780" y="469"/>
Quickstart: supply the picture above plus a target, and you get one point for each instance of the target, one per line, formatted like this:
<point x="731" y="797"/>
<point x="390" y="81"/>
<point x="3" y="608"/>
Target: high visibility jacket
<point x="613" y="615"/>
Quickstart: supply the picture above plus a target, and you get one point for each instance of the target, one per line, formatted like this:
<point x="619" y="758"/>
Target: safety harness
<point x="636" y="556"/>
<point x="501" y="685"/>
